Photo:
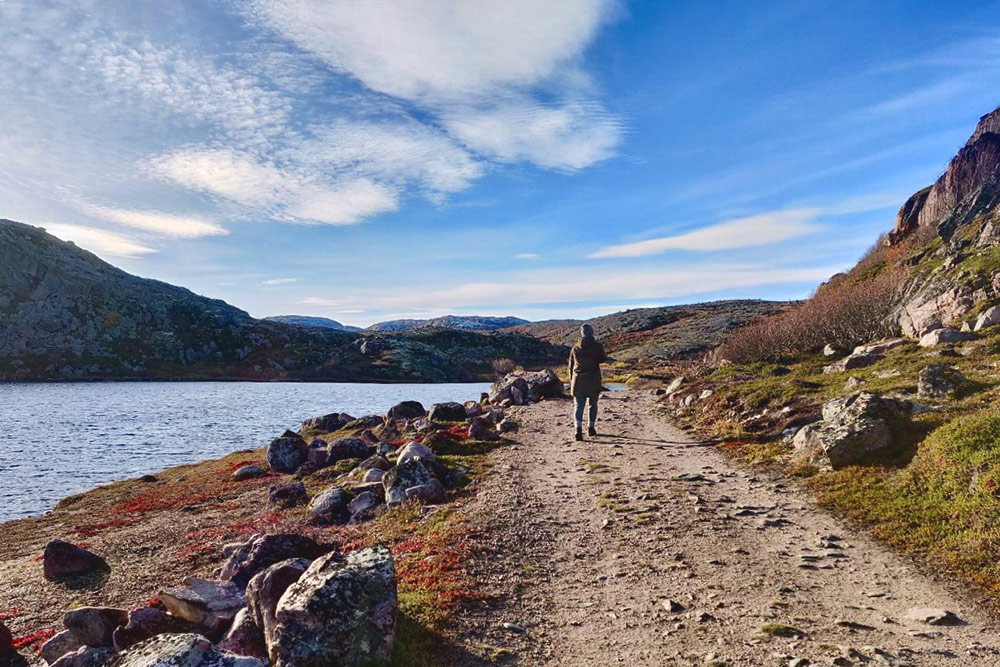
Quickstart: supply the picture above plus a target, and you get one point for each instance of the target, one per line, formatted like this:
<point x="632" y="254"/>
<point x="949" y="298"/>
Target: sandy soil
<point x="587" y="544"/>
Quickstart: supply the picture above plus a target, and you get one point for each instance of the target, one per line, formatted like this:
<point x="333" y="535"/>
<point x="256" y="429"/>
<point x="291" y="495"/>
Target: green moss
<point x="781" y="630"/>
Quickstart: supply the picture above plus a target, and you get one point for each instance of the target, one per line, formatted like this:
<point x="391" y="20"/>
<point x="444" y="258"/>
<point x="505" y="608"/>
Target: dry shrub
<point x="843" y="313"/>
<point x="502" y="367"/>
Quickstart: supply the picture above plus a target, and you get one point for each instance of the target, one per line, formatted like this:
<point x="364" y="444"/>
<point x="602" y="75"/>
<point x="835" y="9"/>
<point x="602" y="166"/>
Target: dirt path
<point x="590" y="541"/>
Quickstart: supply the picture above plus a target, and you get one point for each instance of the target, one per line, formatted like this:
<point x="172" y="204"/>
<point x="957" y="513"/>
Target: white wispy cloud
<point x="748" y="232"/>
<point x="156" y="222"/>
<point x="98" y="241"/>
<point x="280" y="281"/>
<point x="320" y="301"/>
<point x="526" y="255"/>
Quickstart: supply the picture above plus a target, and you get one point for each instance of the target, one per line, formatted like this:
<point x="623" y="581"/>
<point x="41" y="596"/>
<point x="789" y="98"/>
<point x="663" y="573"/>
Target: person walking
<point x="585" y="381"/>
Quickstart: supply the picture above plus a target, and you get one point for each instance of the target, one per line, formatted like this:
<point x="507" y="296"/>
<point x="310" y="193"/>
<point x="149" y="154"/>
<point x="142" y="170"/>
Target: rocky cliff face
<point x="66" y="314"/>
<point x="455" y="322"/>
<point x="969" y="187"/>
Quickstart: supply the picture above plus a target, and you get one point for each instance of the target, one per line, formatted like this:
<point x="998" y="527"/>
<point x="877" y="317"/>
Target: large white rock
<point x="988" y="318"/>
<point x="943" y="336"/>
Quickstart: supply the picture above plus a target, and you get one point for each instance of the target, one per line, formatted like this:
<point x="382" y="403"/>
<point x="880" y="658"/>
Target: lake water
<point x="60" y="439"/>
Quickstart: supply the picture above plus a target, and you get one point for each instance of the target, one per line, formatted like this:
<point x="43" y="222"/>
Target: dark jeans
<point x="580" y="402"/>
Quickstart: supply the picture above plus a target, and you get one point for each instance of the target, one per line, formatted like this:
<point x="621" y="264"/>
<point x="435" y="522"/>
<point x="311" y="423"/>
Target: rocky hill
<point x="308" y="321"/>
<point x="455" y="322"/>
<point x="66" y="314"/>
<point x="657" y="335"/>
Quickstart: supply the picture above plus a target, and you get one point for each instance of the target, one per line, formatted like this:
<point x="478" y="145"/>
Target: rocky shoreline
<point x="336" y="544"/>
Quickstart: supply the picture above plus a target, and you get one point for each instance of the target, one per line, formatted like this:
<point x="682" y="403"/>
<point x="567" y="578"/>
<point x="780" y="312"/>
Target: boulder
<point x="447" y="412"/>
<point x="186" y="650"/>
<point x="932" y="616"/>
<point x="852" y="429"/>
<point x="6" y="640"/>
<point x="368" y="421"/>
<point x="479" y="429"/>
<point x="210" y="604"/>
<point x="881" y="347"/>
<point x="862" y="360"/>
<point x="988" y="318"/>
<point x="287" y="453"/>
<point x="675" y="384"/>
<point x="362" y="507"/>
<point x="262" y="551"/>
<point x="265" y="590"/>
<point x="404" y="476"/>
<point x="318" y="454"/>
<point x="507" y="425"/>
<point x="248" y="472"/>
<point x="940" y="381"/>
<point x="387" y="432"/>
<point x="348" y="448"/>
<point x="413" y="450"/>
<point x="148" y="622"/>
<point x="341" y="612"/>
<point x="473" y="409"/>
<point x="95" y="626"/>
<point x="62" y="559"/>
<point x="56" y="647"/>
<point x="829" y="351"/>
<point x="405" y="410"/>
<point x="512" y="388"/>
<point x="325" y="424"/>
<point x="943" y="336"/>
<point x="376" y="462"/>
<point x="86" y="656"/>
<point x="244" y="637"/>
<point x="432" y="493"/>
<point x="374" y="475"/>
<point x="329" y="507"/>
<point x="286" y="496"/>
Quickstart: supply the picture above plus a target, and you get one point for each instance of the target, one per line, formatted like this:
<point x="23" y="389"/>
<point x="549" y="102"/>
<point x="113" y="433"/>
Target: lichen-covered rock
<point x="86" y="656"/>
<point x="244" y="637"/>
<point x="988" y="318"/>
<point x="376" y="462"/>
<point x="287" y="453"/>
<point x="318" y="454"/>
<point x="433" y="492"/>
<point x="341" y="612"/>
<point x="940" y="381"/>
<point x="447" y="412"/>
<point x="362" y="508"/>
<point x="415" y="450"/>
<point x="187" y="650"/>
<point x="404" y="476"/>
<point x="210" y="604"/>
<point x="329" y="507"/>
<point x="473" y="409"/>
<point x="853" y="428"/>
<point x="56" y="647"/>
<point x="856" y="360"/>
<point x="262" y="551"/>
<point x="285" y="496"/>
<point x="265" y="590"/>
<point x="62" y="559"/>
<point x="148" y="622"/>
<point x="95" y="626"/>
<point x="479" y="429"/>
<point x="942" y="336"/>
<point x="348" y="448"/>
<point x="405" y="410"/>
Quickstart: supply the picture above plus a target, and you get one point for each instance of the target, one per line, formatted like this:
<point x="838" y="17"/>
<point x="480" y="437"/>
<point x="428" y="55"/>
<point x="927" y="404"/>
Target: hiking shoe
<point x="592" y="432"/>
<point x="579" y="436"/>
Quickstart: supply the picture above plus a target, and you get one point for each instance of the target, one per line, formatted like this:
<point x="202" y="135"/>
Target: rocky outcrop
<point x="340" y="612"/>
<point x="265" y="590"/>
<point x="853" y="429"/>
<point x="967" y="188"/>
<point x="95" y="626"/>
<point x="944" y="336"/>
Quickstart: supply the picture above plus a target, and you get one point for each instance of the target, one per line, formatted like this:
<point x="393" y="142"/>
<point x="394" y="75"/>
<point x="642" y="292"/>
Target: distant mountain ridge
<point x="657" y="335"/>
<point x="67" y="314"/>
<point x="309" y="321"/>
<point x="455" y="322"/>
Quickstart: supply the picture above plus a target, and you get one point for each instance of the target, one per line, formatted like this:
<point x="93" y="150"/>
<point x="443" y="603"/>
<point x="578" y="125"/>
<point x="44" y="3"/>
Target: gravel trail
<point x="643" y="547"/>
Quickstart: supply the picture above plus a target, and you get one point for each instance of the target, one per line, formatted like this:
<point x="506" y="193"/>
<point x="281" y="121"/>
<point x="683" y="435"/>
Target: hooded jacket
<point x="585" y="361"/>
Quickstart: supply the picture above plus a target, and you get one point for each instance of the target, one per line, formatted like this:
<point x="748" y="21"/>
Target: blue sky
<point x="412" y="158"/>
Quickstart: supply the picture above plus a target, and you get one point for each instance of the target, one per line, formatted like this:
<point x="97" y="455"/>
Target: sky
<point x="366" y="160"/>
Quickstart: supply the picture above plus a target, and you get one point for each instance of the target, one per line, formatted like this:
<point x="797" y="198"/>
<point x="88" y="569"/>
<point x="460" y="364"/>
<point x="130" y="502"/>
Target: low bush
<point x="843" y="313"/>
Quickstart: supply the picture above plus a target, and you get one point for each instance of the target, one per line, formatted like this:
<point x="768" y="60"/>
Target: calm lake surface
<point x="60" y="439"/>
